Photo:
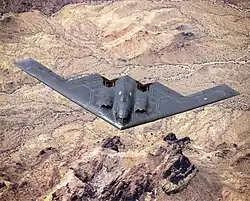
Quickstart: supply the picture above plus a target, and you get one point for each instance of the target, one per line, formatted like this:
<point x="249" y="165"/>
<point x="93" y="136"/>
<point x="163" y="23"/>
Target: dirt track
<point x="185" y="45"/>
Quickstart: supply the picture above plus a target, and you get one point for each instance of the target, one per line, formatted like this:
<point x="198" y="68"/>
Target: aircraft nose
<point x="122" y="120"/>
<point x="122" y="114"/>
<point x="123" y="117"/>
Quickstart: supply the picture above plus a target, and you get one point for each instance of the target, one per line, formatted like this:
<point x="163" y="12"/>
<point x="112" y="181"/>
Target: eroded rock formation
<point x="103" y="176"/>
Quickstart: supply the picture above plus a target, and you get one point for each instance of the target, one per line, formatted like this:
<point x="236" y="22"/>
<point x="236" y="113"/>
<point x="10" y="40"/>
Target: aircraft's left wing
<point x="164" y="102"/>
<point x="84" y="90"/>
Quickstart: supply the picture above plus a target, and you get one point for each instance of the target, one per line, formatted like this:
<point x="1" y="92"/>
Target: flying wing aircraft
<point x="124" y="102"/>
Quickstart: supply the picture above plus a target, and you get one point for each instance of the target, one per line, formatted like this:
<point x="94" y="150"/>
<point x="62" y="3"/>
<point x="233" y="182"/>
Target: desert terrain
<point x="51" y="149"/>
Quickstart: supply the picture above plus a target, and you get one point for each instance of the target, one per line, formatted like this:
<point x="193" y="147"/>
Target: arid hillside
<point x="53" y="150"/>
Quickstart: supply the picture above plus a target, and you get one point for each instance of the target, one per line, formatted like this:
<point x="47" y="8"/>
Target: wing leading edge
<point x="165" y="102"/>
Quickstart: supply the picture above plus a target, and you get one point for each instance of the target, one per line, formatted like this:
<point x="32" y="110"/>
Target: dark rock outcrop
<point x="113" y="143"/>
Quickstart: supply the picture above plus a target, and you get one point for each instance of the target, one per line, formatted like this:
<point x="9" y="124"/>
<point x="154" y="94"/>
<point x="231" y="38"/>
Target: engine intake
<point x="141" y="102"/>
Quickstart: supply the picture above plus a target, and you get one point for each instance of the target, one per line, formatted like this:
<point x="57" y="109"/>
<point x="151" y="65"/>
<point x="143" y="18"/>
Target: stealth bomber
<point x="124" y="102"/>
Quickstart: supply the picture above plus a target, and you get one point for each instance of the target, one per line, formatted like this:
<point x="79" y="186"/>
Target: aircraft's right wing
<point x="164" y="102"/>
<point x="208" y="96"/>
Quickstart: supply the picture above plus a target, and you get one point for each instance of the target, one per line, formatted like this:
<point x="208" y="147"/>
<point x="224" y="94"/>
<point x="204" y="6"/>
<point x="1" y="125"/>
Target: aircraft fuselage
<point x="124" y="96"/>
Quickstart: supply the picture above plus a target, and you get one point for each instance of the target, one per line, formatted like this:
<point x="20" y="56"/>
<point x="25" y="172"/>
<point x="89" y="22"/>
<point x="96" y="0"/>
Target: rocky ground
<point x="51" y="149"/>
<point x="47" y="7"/>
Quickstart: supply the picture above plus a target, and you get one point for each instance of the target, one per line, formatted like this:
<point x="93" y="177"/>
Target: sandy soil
<point x="187" y="45"/>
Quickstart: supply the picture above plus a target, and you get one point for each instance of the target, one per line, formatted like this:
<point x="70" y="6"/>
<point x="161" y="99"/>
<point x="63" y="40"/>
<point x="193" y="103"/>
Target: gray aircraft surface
<point x="124" y="102"/>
